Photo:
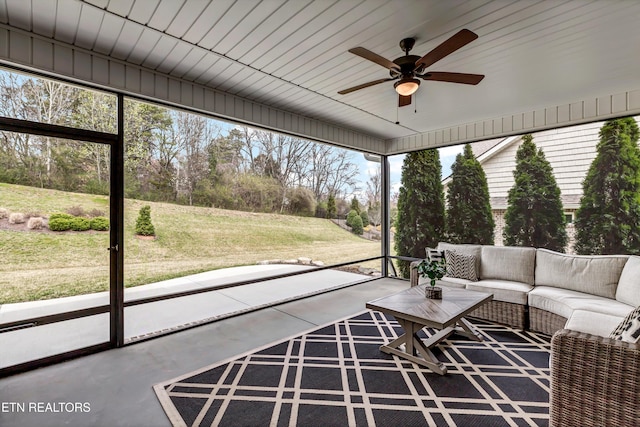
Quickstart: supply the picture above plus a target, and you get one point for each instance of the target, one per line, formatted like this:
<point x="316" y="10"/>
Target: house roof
<point x="482" y="147"/>
<point x="279" y="64"/>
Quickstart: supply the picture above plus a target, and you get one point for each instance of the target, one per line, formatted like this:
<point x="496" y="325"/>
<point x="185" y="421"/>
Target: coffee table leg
<point x="414" y="346"/>
<point x="468" y="330"/>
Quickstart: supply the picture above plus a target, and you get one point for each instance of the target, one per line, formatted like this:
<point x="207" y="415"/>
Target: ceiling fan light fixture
<point x="407" y="86"/>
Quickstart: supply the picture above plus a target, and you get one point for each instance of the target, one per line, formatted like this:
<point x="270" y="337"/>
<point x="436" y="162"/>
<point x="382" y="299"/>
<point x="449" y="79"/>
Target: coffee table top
<point x="411" y="304"/>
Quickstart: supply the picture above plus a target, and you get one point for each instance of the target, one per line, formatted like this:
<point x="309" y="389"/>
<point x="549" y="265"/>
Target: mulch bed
<point x="6" y="226"/>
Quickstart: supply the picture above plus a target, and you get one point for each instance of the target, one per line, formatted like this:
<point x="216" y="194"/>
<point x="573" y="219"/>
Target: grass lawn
<point x="37" y="265"/>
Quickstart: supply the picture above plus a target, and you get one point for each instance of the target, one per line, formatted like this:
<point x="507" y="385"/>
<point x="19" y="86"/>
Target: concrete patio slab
<point x="148" y="319"/>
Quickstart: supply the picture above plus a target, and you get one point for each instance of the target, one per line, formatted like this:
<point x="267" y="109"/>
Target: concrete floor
<point x="28" y="344"/>
<point x="116" y="385"/>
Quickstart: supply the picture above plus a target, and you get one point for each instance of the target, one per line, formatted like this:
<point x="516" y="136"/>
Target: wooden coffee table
<point x="413" y="311"/>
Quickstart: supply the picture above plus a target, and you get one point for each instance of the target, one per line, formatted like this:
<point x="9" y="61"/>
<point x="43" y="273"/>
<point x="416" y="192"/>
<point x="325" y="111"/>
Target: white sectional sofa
<point x="546" y="291"/>
<point x="580" y="300"/>
<point x="583" y="293"/>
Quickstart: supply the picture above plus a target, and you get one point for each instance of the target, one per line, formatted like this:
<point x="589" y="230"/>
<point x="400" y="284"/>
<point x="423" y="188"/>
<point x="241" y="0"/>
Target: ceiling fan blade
<point x="453" y="43"/>
<point x="363" y="85"/>
<point x="374" y="57"/>
<point x="468" y="79"/>
<point x="404" y="100"/>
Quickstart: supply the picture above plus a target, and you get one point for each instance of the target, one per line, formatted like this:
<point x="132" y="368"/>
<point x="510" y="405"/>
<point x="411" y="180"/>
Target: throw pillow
<point x="629" y="329"/>
<point x="434" y="254"/>
<point x="460" y="265"/>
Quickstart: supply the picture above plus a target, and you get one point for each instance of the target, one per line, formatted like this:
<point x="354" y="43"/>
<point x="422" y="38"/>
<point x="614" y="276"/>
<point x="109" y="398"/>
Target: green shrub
<point x="321" y="210"/>
<point x="60" y="215"/>
<point x="248" y="193"/>
<point x="351" y="216"/>
<point x="356" y="225"/>
<point x="100" y="223"/>
<point x="80" y="224"/>
<point x="144" y="227"/>
<point x="365" y="218"/>
<point x="302" y="201"/>
<point x="60" y="222"/>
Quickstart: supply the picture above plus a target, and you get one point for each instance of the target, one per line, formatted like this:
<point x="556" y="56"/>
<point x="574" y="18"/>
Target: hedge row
<point x="64" y="222"/>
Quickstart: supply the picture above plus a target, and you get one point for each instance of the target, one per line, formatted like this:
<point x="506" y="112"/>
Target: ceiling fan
<point x="407" y="69"/>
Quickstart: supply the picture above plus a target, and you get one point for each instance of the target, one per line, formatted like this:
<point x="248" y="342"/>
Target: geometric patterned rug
<point x="336" y="375"/>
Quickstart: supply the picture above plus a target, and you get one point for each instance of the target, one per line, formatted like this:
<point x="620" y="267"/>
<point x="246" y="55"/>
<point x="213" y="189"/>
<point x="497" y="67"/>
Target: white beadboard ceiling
<point x="292" y="55"/>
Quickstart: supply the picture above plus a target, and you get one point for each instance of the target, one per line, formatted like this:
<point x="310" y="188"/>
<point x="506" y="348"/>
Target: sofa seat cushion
<point x="628" y="290"/>
<point x="503" y="290"/>
<point x="593" y="274"/>
<point x="593" y="323"/>
<point x="515" y="264"/>
<point x="563" y="302"/>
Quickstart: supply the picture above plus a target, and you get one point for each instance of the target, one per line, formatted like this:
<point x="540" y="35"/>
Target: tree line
<point x="607" y="221"/>
<point x="170" y="155"/>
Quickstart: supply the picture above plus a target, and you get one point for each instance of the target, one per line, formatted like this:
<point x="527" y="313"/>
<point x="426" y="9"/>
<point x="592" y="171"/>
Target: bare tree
<point x="50" y="102"/>
<point x="249" y="147"/>
<point x="287" y="155"/>
<point x="96" y="111"/>
<point x="374" y="195"/>
<point x="330" y="171"/>
<point x="36" y="100"/>
<point x="193" y="134"/>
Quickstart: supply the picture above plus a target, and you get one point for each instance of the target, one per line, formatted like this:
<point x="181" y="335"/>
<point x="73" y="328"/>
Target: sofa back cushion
<point x="516" y="264"/>
<point x="593" y="274"/>
<point x="474" y="250"/>
<point x="628" y="290"/>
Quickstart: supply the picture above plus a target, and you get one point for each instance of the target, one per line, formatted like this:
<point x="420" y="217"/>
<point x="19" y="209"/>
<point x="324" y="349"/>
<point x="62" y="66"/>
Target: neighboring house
<point x="570" y="151"/>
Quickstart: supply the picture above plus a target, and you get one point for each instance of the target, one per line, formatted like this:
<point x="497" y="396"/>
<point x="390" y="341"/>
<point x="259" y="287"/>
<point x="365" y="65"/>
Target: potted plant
<point x="434" y="270"/>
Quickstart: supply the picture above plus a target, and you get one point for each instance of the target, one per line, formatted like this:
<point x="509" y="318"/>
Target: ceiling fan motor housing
<point x="407" y="66"/>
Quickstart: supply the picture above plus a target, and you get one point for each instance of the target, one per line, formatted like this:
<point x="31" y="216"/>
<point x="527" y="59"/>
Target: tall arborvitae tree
<point x="534" y="216"/>
<point x="420" y="220"/>
<point x="331" y="207"/>
<point x="355" y="205"/>
<point x="608" y="221"/>
<point x="469" y="217"/>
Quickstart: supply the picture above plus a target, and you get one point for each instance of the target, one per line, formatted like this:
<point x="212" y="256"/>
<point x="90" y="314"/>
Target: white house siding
<point x="569" y="150"/>
<point x="498" y="218"/>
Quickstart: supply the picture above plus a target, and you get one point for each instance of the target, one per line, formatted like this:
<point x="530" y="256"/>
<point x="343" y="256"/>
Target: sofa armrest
<point x="595" y="381"/>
